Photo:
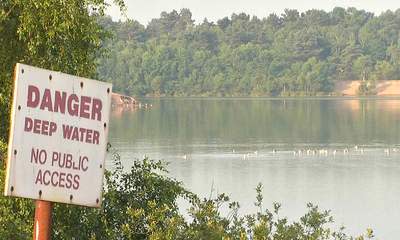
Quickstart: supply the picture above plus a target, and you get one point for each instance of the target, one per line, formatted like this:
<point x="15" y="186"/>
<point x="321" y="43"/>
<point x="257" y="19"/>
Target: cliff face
<point x="347" y="88"/>
<point x="383" y="87"/>
<point x="387" y="88"/>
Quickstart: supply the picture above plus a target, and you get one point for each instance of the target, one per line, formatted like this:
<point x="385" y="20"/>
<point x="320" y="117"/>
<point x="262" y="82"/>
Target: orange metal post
<point x="42" y="223"/>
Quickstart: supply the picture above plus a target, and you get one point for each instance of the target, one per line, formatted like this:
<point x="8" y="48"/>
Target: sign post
<point x="43" y="220"/>
<point x="58" y="141"/>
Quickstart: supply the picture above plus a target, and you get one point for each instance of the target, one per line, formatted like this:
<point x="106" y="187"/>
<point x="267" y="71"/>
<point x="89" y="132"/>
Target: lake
<point x="340" y="153"/>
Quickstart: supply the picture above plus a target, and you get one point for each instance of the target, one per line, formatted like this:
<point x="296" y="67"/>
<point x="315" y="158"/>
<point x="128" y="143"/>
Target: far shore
<point x="382" y="88"/>
<point x="345" y="88"/>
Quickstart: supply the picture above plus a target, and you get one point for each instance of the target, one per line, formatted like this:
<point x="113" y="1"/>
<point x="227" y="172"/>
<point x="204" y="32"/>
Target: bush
<point x="141" y="203"/>
<point x="16" y="214"/>
<point x="367" y="88"/>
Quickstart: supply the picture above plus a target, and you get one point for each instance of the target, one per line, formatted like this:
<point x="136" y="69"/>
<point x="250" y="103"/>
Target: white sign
<point x="58" y="137"/>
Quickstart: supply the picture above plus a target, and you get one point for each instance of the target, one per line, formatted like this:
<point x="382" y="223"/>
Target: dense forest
<point x="293" y="53"/>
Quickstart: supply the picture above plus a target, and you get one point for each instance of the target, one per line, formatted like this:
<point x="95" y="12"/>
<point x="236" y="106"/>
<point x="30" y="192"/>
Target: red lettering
<point x="97" y="105"/>
<point x="34" y="155"/>
<point x="57" y="179"/>
<point x="75" y="134"/>
<point x="39" y="177"/>
<point x="37" y="155"/>
<point x="83" y="160"/>
<point x="85" y="106"/>
<point x="61" y="161"/>
<point x="76" y="182"/>
<point x="46" y="101"/>
<point x="59" y="102"/>
<point x="79" y="106"/>
<point x="44" y="177"/>
<point x="52" y="179"/>
<point x="68" y="181"/>
<point x="77" y="167"/>
<point x="89" y="135"/>
<point x="68" y="161"/>
<point x="36" y="126"/>
<point x="40" y="126"/>
<point x="61" y="180"/>
<point x="73" y="109"/>
<point x="67" y="130"/>
<point x="53" y="128"/>
<point x="96" y="136"/>
<point x="80" y="134"/>
<point x="33" y="96"/>
<point x="28" y="124"/>
<point x="55" y="157"/>
<point x="45" y="127"/>
<point x="82" y="131"/>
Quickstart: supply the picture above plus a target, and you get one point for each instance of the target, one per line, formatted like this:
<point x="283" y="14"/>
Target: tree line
<point x="241" y="55"/>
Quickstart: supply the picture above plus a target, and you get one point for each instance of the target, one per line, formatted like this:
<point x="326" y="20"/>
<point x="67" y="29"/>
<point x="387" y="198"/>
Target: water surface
<point x="342" y="154"/>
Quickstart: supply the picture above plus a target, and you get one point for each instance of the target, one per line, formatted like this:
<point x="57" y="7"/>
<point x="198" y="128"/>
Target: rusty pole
<point x="42" y="223"/>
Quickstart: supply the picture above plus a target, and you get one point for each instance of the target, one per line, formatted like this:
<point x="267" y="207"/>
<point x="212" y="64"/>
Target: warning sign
<point x="58" y="137"/>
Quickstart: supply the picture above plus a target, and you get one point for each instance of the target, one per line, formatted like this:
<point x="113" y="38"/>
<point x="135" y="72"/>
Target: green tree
<point x="363" y="67"/>
<point x="255" y="56"/>
<point x="38" y="33"/>
<point x="384" y="71"/>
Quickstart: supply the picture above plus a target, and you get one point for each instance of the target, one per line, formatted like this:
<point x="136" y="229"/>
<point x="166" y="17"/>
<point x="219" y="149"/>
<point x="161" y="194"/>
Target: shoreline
<point x="327" y="97"/>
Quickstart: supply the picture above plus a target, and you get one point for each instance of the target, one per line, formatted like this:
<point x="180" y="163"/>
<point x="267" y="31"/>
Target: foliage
<point x="207" y="222"/>
<point x="141" y="203"/>
<point x="16" y="219"/>
<point x="59" y="35"/>
<point x="366" y="88"/>
<point x="291" y="54"/>
<point x="134" y="201"/>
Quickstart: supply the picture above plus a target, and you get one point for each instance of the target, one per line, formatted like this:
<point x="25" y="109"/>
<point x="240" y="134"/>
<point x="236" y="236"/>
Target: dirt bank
<point x="383" y="87"/>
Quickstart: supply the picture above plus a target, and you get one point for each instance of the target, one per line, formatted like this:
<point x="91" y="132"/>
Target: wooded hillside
<point x="294" y="53"/>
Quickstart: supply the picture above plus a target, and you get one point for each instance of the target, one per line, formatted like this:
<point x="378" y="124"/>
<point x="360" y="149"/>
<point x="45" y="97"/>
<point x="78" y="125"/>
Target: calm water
<point x="230" y="145"/>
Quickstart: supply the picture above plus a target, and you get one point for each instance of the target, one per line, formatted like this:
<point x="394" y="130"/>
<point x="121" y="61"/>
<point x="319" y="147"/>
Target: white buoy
<point x="325" y="152"/>
<point x="299" y="152"/>
<point x="386" y="151"/>
<point x="314" y="152"/>
<point x="308" y="151"/>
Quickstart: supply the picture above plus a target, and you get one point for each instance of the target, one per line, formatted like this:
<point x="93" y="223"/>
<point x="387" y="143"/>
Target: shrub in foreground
<point x="141" y="203"/>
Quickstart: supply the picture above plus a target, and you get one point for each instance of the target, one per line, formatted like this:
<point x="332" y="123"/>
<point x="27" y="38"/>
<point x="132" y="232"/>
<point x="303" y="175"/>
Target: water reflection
<point x="183" y="121"/>
<point x="232" y="144"/>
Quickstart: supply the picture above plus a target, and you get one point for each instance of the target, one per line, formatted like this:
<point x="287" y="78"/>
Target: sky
<point x="145" y="10"/>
